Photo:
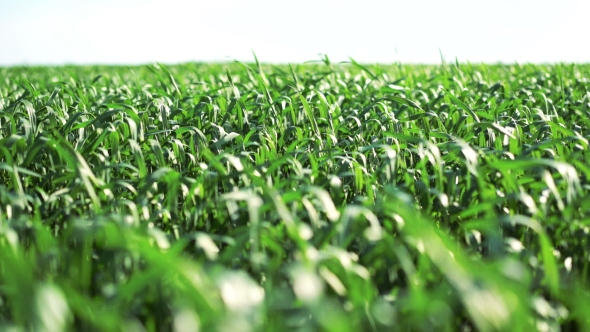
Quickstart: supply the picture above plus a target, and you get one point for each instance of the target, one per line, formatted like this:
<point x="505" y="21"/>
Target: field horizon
<point x="320" y="60"/>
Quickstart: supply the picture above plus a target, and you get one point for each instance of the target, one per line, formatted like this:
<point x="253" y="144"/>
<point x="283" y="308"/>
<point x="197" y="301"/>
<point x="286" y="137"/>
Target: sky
<point x="37" y="32"/>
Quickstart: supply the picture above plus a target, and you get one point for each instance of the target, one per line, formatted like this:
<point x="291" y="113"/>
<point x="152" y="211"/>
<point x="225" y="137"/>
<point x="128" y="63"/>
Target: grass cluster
<point x="234" y="197"/>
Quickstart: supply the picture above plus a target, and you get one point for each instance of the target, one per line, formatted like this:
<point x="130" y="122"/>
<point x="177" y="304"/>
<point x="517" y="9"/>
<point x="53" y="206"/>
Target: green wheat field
<point x="313" y="197"/>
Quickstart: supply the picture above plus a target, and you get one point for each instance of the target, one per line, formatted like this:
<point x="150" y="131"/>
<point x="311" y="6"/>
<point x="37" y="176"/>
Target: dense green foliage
<point x="235" y="197"/>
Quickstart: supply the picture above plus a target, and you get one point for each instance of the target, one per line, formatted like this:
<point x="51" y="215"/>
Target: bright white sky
<point x="171" y="31"/>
